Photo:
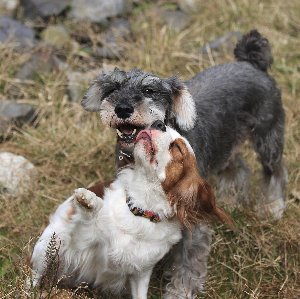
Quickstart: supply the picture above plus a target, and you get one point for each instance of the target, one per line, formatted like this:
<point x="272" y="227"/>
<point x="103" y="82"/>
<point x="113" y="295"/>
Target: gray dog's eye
<point x="148" y="91"/>
<point x="108" y="91"/>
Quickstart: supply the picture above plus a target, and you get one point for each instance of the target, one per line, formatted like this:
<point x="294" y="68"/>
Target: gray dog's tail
<point x="254" y="48"/>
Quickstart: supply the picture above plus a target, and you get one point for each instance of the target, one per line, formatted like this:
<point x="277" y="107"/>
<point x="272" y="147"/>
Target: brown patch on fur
<point x="191" y="196"/>
<point x="99" y="188"/>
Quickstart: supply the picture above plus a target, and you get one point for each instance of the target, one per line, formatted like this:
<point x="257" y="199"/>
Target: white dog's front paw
<point x="87" y="199"/>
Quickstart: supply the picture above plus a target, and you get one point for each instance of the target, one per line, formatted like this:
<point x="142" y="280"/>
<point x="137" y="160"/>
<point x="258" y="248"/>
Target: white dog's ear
<point x="183" y="105"/>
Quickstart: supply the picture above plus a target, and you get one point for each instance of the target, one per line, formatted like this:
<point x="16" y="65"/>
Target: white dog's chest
<point x="133" y="256"/>
<point x="133" y="242"/>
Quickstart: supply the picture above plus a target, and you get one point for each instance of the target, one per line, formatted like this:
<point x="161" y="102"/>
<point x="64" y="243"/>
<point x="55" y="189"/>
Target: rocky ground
<point x="51" y="50"/>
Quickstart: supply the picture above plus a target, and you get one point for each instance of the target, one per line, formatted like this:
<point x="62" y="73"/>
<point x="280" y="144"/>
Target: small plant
<point x="50" y="276"/>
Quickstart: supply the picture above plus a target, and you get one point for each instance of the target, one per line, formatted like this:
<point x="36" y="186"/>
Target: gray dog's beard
<point x="124" y="154"/>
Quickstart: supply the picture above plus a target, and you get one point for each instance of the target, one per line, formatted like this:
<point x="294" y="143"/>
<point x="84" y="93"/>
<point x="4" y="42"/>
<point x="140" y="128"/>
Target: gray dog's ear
<point x="92" y="99"/>
<point x="183" y="105"/>
<point x="104" y="84"/>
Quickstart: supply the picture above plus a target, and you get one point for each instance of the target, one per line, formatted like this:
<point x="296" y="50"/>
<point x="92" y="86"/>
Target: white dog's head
<point x="171" y="159"/>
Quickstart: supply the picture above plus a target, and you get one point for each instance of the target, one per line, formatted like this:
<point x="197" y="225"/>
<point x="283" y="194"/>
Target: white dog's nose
<point x="158" y="125"/>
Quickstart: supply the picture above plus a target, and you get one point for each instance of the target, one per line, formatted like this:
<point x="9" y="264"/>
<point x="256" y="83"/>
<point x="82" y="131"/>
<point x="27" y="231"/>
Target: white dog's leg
<point x="139" y="284"/>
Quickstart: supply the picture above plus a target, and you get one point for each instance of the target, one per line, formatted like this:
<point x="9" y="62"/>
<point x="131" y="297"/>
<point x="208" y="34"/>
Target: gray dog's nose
<point x="124" y="110"/>
<point x="158" y="125"/>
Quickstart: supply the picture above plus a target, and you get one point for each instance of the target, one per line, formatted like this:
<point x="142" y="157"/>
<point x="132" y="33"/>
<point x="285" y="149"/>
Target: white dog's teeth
<point x="120" y="134"/>
<point x="134" y="131"/>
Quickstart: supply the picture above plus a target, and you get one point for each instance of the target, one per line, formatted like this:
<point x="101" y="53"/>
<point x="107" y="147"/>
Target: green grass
<point x="71" y="148"/>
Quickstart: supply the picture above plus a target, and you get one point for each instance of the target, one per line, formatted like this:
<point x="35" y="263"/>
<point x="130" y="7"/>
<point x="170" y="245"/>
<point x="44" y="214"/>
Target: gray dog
<point x="217" y="110"/>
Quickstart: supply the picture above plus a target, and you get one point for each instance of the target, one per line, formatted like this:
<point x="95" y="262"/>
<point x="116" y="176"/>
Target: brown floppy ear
<point x="194" y="202"/>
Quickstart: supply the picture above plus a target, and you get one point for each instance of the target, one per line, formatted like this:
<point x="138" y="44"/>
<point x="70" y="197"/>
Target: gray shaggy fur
<point x="234" y="102"/>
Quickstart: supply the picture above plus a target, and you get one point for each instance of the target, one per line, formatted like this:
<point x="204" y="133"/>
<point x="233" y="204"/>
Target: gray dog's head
<point x="131" y="101"/>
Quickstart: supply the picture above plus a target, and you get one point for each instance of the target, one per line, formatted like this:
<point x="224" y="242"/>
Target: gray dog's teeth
<point x="124" y="136"/>
<point x="120" y="134"/>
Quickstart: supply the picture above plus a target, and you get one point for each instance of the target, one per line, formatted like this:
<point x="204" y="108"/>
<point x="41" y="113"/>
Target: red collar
<point x="153" y="217"/>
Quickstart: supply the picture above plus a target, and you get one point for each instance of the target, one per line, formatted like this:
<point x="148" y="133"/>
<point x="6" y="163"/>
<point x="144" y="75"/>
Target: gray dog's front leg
<point x="189" y="268"/>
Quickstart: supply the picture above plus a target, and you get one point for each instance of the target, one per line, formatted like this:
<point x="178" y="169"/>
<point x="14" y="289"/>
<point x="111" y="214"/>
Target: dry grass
<point x="70" y="148"/>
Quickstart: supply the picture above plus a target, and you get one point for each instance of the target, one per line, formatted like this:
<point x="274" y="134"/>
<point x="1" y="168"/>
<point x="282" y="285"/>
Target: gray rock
<point x="98" y="10"/>
<point x="14" y="113"/>
<point x="16" y="173"/>
<point x="109" y="51"/>
<point x="227" y="40"/>
<point x="8" y="7"/>
<point x="14" y="31"/>
<point x="119" y="28"/>
<point x="189" y="6"/>
<point x="43" y="8"/>
<point x="112" y="39"/>
<point x="176" y="20"/>
<point x="57" y="36"/>
<point x="40" y="62"/>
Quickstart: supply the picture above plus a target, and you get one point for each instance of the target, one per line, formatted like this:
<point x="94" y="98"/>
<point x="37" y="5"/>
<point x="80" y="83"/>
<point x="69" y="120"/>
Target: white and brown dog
<point x="105" y="242"/>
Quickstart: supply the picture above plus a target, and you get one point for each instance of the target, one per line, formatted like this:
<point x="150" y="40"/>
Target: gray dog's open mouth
<point x="127" y="133"/>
